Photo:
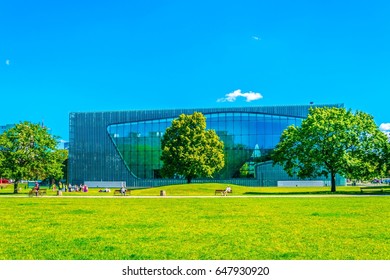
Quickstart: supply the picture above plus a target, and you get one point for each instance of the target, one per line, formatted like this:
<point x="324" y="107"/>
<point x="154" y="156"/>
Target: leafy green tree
<point x="387" y="158"/>
<point x="333" y="141"/>
<point x="29" y="152"/>
<point x="189" y="150"/>
<point x="59" y="168"/>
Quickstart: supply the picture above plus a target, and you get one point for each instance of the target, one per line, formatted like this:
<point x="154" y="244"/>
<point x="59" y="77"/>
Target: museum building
<point x="125" y="146"/>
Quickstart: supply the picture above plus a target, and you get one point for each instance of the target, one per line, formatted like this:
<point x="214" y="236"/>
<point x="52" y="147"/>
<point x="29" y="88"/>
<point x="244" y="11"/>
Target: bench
<point x="221" y="192"/>
<point x="37" y="193"/>
<point x="374" y="188"/>
<point x="128" y="192"/>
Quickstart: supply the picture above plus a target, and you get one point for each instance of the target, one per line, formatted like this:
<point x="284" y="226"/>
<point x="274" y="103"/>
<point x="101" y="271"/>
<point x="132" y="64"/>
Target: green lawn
<point x="207" y="189"/>
<point x="248" y="228"/>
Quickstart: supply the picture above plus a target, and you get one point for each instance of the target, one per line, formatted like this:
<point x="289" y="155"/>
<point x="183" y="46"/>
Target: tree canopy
<point x="29" y="152"/>
<point x="333" y="141"/>
<point x="189" y="150"/>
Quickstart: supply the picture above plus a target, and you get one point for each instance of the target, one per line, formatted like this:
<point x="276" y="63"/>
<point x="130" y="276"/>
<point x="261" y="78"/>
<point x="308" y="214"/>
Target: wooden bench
<point x="128" y="192"/>
<point x="221" y="192"/>
<point x="37" y="193"/>
<point x="374" y="188"/>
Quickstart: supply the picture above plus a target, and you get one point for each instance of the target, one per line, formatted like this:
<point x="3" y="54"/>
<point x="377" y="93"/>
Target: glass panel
<point x="248" y="139"/>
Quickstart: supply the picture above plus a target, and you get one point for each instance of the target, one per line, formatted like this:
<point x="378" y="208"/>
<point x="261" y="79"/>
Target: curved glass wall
<point x="248" y="138"/>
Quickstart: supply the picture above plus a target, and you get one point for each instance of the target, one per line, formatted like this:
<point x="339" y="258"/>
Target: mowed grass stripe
<point x="204" y="229"/>
<point x="201" y="189"/>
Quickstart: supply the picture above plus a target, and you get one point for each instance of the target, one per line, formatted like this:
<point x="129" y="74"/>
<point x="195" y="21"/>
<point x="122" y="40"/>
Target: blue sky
<point x="58" y="57"/>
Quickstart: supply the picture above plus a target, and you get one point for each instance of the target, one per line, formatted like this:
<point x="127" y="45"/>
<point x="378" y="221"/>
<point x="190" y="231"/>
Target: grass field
<point x="204" y="228"/>
<point x="202" y="190"/>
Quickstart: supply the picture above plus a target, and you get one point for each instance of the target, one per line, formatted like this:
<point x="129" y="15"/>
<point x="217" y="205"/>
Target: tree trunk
<point x="333" y="182"/>
<point x="189" y="180"/>
<point x="16" y="187"/>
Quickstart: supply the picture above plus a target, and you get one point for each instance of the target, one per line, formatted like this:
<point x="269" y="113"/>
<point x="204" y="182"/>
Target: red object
<point x="4" y="181"/>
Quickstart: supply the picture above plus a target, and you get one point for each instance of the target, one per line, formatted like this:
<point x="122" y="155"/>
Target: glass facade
<point x="126" y="146"/>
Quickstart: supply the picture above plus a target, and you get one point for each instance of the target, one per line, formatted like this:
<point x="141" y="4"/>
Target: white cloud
<point x="256" y="38"/>
<point x="231" y="97"/>
<point x="385" y="127"/>
<point x="7" y="62"/>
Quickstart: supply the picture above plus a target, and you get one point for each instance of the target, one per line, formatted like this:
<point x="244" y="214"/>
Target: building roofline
<point x="235" y="108"/>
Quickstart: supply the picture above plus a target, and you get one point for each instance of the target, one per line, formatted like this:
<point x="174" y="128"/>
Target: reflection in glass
<point x="248" y="137"/>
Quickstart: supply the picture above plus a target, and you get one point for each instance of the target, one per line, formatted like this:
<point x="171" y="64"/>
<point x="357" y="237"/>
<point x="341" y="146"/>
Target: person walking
<point x="123" y="190"/>
<point x="36" y="188"/>
<point x="228" y="190"/>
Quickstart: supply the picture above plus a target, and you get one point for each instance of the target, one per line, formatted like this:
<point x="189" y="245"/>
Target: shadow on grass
<point x="11" y="192"/>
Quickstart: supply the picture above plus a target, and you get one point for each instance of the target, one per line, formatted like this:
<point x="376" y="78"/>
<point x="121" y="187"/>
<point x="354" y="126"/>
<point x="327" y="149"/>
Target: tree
<point x="387" y="157"/>
<point x="333" y="141"/>
<point x="29" y="152"/>
<point x="189" y="150"/>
